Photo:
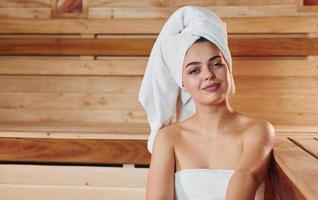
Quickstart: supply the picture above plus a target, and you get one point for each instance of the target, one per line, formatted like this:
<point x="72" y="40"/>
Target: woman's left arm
<point x="254" y="163"/>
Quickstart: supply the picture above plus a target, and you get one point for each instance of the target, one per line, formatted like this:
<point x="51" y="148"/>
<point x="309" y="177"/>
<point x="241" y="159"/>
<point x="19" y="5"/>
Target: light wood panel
<point x="127" y="66"/>
<point x="73" y="176"/>
<point x="80" y="101"/>
<point x="25" y="3"/>
<point x="25" y="13"/>
<point x="70" y="115"/>
<point x="39" y="192"/>
<point x="303" y="24"/>
<point x="64" y="84"/>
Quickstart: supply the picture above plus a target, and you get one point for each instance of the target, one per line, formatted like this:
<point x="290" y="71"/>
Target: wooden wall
<point x="69" y="86"/>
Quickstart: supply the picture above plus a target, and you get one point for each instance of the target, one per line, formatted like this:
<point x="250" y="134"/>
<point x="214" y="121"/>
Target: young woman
<point x="217" y="153"/>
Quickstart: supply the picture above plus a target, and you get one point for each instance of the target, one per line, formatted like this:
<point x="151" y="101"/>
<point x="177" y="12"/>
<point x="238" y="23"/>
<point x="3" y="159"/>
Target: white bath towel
<point x="162" y="80"/>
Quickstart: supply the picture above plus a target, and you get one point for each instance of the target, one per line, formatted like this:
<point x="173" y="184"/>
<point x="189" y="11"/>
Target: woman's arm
<point x="254" y="163"/>
<point x="160" y="182"/>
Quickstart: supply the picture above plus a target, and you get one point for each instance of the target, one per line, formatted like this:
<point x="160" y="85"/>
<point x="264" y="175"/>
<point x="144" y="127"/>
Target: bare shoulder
<point x="259" y="132"/>
<point x="168" y="134"/>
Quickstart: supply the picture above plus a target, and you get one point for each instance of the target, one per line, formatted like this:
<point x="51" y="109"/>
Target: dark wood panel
<point x="143" y="46"/>
<point x="73" y="151"/>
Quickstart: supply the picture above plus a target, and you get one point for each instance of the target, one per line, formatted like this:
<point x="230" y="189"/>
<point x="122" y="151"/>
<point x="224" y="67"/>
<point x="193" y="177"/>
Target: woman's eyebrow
<point x="197" y="62"/>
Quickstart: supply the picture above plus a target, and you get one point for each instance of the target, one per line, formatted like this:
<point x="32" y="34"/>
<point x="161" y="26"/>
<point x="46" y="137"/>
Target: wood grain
<point x="73" y="151"/>
<point x="294" y="24"/>
<point x="142" y="46"/>
<point x="300" y="172"/>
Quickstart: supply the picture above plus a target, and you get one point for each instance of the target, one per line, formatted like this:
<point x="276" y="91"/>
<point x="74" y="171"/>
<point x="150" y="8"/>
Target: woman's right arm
<point x="160" y="181"/>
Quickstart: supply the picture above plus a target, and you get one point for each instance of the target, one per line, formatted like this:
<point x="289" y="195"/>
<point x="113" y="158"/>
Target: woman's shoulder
<point x="258" y="130"/>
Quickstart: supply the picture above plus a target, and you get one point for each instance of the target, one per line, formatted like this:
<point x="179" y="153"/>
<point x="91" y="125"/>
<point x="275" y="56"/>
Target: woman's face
<point x="204" y="65"/>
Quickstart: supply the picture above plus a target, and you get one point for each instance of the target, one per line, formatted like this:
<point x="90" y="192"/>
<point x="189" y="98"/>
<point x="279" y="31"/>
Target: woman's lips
<point x="212" y="87"/>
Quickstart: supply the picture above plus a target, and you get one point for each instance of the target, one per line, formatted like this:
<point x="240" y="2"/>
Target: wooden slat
<point x="71" y="101"/>
<point x="26" y="13"/>
<point x="299" y="166"/>
<point x="297" y="24"/>
<point x="60" y="127"/>
<point x="158" y="3"/>
<point x="118" y="131"/>
<point x="124" y="102"/>
<point x="25" y="3"/>
<point x="300" y="118"/>
<point x="271" y="104"/>
<point x="295" y="129"/>
<point x="143" y="46"/>
<point x="122" y="84"/>
<point x="222" y="11"/>
<point x="310" y="145"/>
<point x="73" y="175"/>
<point x="69" y="115"/>
<point x="230" y="2"/>
<point x="65" y="84"/>
<point x="276" y="85"/>
<point x="73" y="151"/>
<point x="39" y="192"/>
<point x="137" y="66"/>
<point x="113" y="67"/>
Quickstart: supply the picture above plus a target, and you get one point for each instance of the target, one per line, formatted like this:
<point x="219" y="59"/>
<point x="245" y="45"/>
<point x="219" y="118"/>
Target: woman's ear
<point x="183" y="88"/>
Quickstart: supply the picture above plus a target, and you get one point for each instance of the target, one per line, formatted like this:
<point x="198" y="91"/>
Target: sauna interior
<point x="71" y="126"/>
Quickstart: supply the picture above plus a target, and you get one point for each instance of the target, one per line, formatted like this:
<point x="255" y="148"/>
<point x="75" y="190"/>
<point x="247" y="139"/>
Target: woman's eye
<point x="194" y="71"/>
<point x="218" y="64"/>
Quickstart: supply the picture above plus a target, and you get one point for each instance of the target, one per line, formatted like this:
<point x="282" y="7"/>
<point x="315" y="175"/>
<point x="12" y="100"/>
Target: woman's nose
<point x="208" y="74"/>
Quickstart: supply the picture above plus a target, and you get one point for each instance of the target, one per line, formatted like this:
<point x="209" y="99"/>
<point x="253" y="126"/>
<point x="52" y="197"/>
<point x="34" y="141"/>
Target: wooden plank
<point x="69" y="115"/>
<point x="39" y="192"/>
<point x="310" y="145"/>
<point x="142" y="46"/>
<point x="25" y="3"/>
<point x="111" y="67"/>
<point x="276" y="85"/>
<point x="299" y="118"/>
<point x="77" y="127"/>
<point x="222" y="11"/>
<point x="26" y="13"/>
<point x="295" y="24"/>
<point x="65" y="84"/>
<point x="288" y="157"/>
<point x="123" y="84"/>
<point x="73" y="176"/>
<point x="159" y="3"/>
<point x="83" y="46"/>
<point x="284" y="103"/>
<point x="137" y="66"/>
<point x="81" y="101"/>
<point x="118" y="131"/>
<point x="122" y="3"/>
<point x="124" y="102"/>
<point x="295" y="129"/>
<point x="230" y="2"/>
<point x="127" y="116"/>
<point x="73" y="151"/>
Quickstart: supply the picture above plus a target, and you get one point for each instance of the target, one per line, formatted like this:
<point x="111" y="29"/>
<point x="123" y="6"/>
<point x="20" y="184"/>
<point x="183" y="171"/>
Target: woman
<point x="216" y="153"/>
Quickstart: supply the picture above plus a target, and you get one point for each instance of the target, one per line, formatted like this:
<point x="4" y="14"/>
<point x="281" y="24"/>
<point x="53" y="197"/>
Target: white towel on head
<point x="162" y="80"/>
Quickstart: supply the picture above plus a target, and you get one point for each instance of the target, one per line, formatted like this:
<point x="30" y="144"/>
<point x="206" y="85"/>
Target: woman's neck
<point x="213" y="119"/>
